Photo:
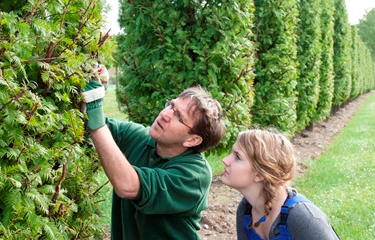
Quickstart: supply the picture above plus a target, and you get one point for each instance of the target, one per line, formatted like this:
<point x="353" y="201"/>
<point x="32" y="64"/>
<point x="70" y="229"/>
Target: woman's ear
<point x="258" y="177"/>
<point x="193" y="140"/>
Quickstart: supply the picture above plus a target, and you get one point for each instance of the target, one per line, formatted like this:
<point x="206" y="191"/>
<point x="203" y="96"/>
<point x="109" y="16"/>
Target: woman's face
<point x="238" y="171"/>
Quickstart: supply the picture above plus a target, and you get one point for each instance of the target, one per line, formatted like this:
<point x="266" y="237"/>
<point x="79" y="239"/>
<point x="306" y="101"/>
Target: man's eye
<point x="177" y="113"/>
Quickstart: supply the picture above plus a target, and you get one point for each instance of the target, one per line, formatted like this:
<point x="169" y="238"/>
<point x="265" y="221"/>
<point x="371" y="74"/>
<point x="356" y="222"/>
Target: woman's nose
<point x="225" y="160"/>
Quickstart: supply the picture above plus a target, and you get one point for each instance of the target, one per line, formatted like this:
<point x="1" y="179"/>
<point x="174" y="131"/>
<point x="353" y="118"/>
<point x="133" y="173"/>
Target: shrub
<point x="48" y="171"/>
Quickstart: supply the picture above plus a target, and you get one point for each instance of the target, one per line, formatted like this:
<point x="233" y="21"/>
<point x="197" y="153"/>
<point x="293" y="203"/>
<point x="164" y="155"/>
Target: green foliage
<point x="342" y="54"/>
<point x="11" y="5"/>
<point x="169" y="46"/>
<point x="276" y="64"/>
<point x="326" y="79"/>
<point x="308" y="56"/>
<point x="48" y="171"/>
<point x="366" y="30"/>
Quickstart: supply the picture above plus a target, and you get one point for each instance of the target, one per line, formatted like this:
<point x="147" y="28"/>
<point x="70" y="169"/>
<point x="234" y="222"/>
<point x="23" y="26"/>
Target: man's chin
<point x="152" y="131"/>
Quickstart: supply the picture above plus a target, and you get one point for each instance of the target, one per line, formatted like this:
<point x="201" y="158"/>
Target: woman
<point x="260" y="166"/>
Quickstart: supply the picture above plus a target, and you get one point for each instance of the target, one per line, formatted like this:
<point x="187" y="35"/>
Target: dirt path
<point x="219" y="220"/>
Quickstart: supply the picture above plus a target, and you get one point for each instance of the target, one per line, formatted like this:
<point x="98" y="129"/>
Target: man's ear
<point x="193" y="141"/>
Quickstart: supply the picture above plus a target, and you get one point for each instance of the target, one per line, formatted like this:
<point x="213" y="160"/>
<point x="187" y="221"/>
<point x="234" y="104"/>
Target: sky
<point x="356" y="10"/>
<point x="112" y="17"/>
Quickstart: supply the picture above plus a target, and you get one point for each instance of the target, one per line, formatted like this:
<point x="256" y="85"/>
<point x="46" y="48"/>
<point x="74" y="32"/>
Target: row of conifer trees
<point x="281" y="63"/>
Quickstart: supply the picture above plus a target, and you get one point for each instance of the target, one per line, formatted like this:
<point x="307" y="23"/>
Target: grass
<point x="216" y="164"/>
<point x="111" y="108"/>
<point x="340" y="181"/>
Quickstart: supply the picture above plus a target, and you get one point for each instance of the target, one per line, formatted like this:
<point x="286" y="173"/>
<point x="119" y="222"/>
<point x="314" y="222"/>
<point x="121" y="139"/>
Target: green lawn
<point x="111" y="108"/>
<point x="341" y="180"/>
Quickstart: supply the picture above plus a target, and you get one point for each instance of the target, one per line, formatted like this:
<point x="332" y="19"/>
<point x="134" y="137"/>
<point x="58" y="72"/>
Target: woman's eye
<point x="237" y="157"/>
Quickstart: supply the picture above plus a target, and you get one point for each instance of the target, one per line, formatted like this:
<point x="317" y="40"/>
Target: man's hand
<point x="93" y="94"/>
<point x="101" y="74"/>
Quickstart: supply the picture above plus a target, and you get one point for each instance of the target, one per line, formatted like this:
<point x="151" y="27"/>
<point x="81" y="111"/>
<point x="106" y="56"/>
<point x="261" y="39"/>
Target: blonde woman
<point x="260" y="166"/>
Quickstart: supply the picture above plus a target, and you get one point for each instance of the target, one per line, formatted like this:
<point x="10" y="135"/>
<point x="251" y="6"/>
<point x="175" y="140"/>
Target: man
<point x="160" y="178"/>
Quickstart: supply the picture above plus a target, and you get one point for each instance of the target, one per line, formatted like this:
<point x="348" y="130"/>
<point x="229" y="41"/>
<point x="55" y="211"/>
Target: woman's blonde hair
<point x="272" y="156"/>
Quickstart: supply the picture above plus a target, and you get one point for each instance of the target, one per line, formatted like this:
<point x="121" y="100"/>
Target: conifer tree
<point x="169" y="46"/>
<point x="342" y="54"/>
<point x="357" y="80"/>
<point x="326" y="68"/>
<point x="276" y="64"/>
<point x="309" y="61"/>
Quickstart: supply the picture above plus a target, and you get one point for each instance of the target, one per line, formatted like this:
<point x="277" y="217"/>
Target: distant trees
<point x="366" y="30"/>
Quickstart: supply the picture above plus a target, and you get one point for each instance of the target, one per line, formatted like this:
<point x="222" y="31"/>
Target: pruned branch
<point x="104" y="38"/>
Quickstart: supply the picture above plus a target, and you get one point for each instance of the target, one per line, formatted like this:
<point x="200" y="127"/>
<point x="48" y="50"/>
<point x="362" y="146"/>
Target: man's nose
<point x="167" y="114"/>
